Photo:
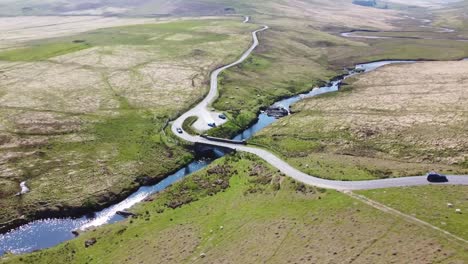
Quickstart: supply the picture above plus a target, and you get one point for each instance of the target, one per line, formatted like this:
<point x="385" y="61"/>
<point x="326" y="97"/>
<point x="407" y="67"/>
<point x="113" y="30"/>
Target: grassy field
<point x="453" y="16"/>
<point x="295" y="56"/>
<point x="40" y="52"/>
<point x="366" y="132"/>
<point x="238" y="210"/>
<point x="430" y="204"/>
<point x="171" y="38"/>
<point x="85" y="128"/>
<point x="67" y="145"/>
<point x="188" y="125"/>
<point x="288" y="62"/>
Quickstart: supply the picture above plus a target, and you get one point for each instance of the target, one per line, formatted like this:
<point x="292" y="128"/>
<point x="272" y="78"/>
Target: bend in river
<point x="46" y="233"/>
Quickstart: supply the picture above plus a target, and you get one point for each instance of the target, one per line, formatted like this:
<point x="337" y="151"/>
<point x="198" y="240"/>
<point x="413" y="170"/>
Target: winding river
<point x="426" y="23"/>
<point x="49" y="232"/>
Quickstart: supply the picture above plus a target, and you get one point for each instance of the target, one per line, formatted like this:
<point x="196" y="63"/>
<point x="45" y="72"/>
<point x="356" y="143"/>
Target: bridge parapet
<point x="224" y="140"/>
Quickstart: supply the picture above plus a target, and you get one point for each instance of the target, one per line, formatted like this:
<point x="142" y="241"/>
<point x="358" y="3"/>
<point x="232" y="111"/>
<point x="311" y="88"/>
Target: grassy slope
<point x="187" y="126"/>
<point x="289" y="61"/>
<point x="142" y="35"/>
<point x="429" y="203"/>
<point x="260" y="217"/>
<point x="115" y="150"/>
<point x="291" y="212"/>
<point x="326" y="136"/>
<point x="294" y="58"/>
<point x="40" y="52"/>
<point x="454" y="16"/>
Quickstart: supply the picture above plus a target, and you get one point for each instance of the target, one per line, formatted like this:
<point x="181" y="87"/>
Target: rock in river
<point x="125" y="213"/>
<point x="277" y="111"/>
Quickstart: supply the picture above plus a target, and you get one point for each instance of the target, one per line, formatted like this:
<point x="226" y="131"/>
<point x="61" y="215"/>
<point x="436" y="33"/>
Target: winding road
<point x="201" y="110"/>
<point x="205" y="116"/>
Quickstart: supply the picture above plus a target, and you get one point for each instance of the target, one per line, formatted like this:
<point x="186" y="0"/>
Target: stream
<point x="426" y="23"/>
<point x="46" y="233"/>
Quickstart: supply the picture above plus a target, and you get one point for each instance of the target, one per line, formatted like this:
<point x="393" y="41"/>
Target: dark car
<point x="212" y="124"/>
<point x="435" y="177"/>
<point x="222" y="116"/>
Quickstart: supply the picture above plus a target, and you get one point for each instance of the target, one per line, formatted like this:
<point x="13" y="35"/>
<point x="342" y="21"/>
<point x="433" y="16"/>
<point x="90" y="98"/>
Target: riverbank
<point x="102" y="201"/>
<point x="86" y="129"/>
<point x="365" y="132"/>
<point x="252" y="213"/>
<point x="279" y="69"/>
<point x="50" y="232"/>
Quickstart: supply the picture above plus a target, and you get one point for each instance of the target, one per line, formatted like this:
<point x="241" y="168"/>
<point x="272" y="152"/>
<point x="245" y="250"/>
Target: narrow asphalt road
<point x="205" y="116"/>
<point x="202" y="108"/>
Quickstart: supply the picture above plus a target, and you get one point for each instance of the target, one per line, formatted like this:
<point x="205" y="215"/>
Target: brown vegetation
<point x="400" y="120"/>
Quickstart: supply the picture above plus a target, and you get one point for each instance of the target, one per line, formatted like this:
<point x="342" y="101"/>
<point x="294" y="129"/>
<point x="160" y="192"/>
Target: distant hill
<point x="119" y="7"/>
<point x="365" y="2"/>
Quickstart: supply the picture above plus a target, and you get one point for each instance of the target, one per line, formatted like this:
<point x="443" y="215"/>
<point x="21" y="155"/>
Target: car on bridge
<point x="435" y="177"/>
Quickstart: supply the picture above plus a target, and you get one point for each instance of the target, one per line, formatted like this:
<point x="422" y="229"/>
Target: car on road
<point x="435" y="177"/>
<point x="179" y="130"/>
<point x="212" y="124"/>
<point x="222" y="116"/>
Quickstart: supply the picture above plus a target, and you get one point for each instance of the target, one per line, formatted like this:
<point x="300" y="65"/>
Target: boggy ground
<point x="87" y="127"/>
<point x="239" y="210"/>
<point x="399" y="120"/>
<point x="296" y="56"/>
<point x="261" y="215"/>
<point x="303" y="49"/>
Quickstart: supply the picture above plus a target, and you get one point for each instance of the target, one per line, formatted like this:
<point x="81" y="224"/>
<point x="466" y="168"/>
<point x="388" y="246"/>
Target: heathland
<point x="298" y="56"/>
<point x="239" y="210"/>
<point x="400" y="120"/>
<point x="101" y="133"/>
<point x="83" y="116"/>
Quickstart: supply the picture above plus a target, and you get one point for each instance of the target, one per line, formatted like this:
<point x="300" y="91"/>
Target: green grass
<point x="310" y="155"/>
<point x="453" y="17"/>
<point x="188" y="125"/>
<point x="134" y="136"/>
<point x="151" y="34"/>
<point x="311" y="141"/>
<point x="42" y="51"/>
<point x="264" y="78"/>
<point x="157" y="36"/>
<point x="293" y="59"/>
<point x="127" y="151"/>
<point x="241" y="121"/>
<point x="408" y="49"/>
<point x="276" y="71"/>
<point x="119" y="147"/>
<point x="429" y="203"/>
<point x="258" y="216"/>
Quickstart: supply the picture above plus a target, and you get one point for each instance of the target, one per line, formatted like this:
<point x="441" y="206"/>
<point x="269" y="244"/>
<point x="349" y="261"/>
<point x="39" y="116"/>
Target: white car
<point x="179" y="130"/>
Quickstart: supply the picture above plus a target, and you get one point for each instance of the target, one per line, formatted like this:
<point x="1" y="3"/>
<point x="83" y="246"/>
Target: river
<point x="46" y="233"/>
